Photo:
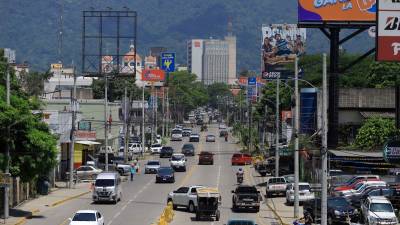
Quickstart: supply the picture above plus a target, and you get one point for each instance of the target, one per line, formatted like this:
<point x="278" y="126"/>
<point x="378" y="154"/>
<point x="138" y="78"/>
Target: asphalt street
<point x="143" y="200"/>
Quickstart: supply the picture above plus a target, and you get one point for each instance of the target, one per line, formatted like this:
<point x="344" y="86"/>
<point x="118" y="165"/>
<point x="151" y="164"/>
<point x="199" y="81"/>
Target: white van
<point x="107" y="187"/>
<point x="135" y="148"/>
<point x="176" y="134"/>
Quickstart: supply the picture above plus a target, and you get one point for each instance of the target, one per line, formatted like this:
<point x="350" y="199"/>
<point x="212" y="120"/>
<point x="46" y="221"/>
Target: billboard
<point x="153" y="75"/>
<point x="388" y="31"/>
<point x="281" y="43"/>
<point x="168" y="62"/>
<point x="337" y="11"/>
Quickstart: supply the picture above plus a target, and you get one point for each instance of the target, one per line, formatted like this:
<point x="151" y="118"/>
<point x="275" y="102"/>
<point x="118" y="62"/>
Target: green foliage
<point x="33" y="82"/>
<point x="116" y="89"/>
<point x="216" y="93"/>
<point x="374" y="133"/>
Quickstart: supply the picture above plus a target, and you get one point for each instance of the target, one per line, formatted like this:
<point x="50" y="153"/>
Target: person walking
<point x="133" y="171"/>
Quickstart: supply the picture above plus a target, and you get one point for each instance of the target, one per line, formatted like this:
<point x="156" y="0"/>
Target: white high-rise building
<point x="195" y="57"/>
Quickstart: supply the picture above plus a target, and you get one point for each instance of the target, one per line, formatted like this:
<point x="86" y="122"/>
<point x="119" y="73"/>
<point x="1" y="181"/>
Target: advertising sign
<point x="388" y="31"/>
<point x="281" y="43"/>
<point x="391" y="152"/>
<point x="168" y="61"/>
<point x="153" y="75"/>
<point x="252" y="81"/>
<point x="82" y="135"/>
<point x="337" y="11"/>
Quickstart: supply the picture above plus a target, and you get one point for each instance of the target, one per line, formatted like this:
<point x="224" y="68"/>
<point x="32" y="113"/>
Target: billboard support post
<point x="277" y="127"/>
<point x="397" y="99"/>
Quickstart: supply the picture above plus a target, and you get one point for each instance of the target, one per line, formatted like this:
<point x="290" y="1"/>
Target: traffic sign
<point x="168" y="61"/>
<point x="252" y="81"/>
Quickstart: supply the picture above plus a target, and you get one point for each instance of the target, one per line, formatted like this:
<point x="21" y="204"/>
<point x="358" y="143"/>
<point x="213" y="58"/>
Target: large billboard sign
<point x="325" y="11"/>
<point x="168" y="61"/>
<point x="153" y="75"/>
<point x="281" y="43"/>
<point x="388" y="36"/>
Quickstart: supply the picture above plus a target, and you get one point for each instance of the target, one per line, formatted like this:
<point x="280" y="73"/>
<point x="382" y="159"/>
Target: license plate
<point x="164" y="178"/>
<point x="248" y="199"/>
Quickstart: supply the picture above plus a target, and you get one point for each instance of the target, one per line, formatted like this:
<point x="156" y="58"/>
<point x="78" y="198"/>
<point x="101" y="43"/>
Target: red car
<point x="241" y="159"/>
<point x="353" y="184"/>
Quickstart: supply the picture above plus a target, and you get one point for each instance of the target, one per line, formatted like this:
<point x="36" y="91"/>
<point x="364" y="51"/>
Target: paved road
<point x="143" y="200"/>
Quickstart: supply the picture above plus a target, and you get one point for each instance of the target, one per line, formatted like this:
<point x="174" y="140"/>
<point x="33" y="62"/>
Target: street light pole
<point x="277" y="128"/>
<point x="296" y="140"/>
<point x="7" y="170"/>
<point x="72" y="135"/>
<point x="106" y="120"/>
<point x="143" y="135"/>
<point x="324" y="153"/>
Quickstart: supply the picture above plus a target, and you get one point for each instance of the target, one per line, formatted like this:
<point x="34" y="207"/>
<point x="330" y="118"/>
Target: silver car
<point x="152" y="166"/>
<point x="210" y="138"/>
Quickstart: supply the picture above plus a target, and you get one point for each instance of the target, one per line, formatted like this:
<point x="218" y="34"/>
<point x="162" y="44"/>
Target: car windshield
<point x="177" y="157"/>
<point x="104" y="183"/>
<point x="84" y="217"/>
<point x="165" y="171"/>
<point x="358" y="186"/>
<point x="176" y="131"/>
<point x="304" y="187"/>
<point x="381" y="207"/>
<point x="153" y="163"/>
<point x="247" y="189"/>
<point x="338" y="202"/>
<point x="188" y="146"/>
<point x="167" y="148"/>
<point x="156" y="146"/>
<point x="241" y="223"/>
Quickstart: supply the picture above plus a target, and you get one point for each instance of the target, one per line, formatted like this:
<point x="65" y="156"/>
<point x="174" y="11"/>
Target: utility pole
<point x="126" y="123"/>
<point x="296" y="140"/>
<point x="163" y="112"/>
<point x="106" y="120"/>
<point x="7" y="170"/>
<point x="168" y="115"/>
<point x="72" y="135"/>
<point x="277" y="127"/>
<point x="143" y="135"/>
<point x="324" y="153"/>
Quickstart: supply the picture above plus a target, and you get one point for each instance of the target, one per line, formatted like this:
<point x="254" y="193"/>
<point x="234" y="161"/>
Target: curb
<point x="275" y="213"/>
<point x="24" y="219"/>
<point x="69" y="198"/>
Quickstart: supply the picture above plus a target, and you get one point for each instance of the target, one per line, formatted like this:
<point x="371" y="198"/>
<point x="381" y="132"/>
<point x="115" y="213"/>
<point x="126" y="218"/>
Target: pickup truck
<point x="245" y="196"/>
<point x="184" y="197"/>
<point x="276" y="185"/>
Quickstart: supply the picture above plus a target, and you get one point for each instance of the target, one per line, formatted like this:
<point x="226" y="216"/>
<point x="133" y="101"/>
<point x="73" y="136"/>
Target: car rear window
<point x="84" y="217"/>
<point x="236" y="155"/>
<point x="247" y="189"/>
<point x="153" y="163"/>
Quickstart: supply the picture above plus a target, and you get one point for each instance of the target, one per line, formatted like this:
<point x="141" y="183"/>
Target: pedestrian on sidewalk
<point x="133" y="171"/>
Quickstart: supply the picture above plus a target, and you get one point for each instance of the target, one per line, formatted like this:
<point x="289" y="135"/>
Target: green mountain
<point x="31" y="27"/>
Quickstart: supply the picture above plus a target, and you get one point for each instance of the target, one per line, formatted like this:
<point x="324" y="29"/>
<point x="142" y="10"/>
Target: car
<point x="223" y="133"/>
<point x="178" y="162"/>
<point x="155" y="148"/>
<point x="87" y="172"/>
<point x="241" y="159"/>
<point x="353" y="184"/>
<point x="289" y="178"/>
<point x="378" y="210"/>
<point x="188" y="149"/>
<point x="276" y="185"/>
<point x="107" y="187"/>
<point x="246" y="196"/>
<point x="87" y="217"/>
<point x="194" y="138"/>
<point x="165" y="174"/>
<point x="186" y="132"/>
<point x="135" y="148"/>
<point x="184" y="197"/>
<point x="222" y="126"/>
<point x="206" y="158"/>
<point x="305" y="193"/>
<point x="360" y="188"/>
<point x="356" y="200"/>
<point x="176" y="134"/>
<point x="358" y="177"/>
<point x="166" y="152"/>
<point x="178" y="126"/>
<point x="241" y="222"/>
<point x="339" y="210"/>
<point x="152" y="166"/>
<point x="210" y="138"/>
<point x="123" y="169"/>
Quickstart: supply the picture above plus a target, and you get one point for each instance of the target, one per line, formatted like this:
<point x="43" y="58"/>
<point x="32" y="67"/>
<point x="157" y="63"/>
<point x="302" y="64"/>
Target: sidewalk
<point x="34" y="207"/>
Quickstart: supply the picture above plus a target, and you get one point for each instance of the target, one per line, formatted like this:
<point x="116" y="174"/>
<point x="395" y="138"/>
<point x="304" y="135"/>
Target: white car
<point x="222" y="126"/>
<point x="378" y="210"/>
<point x="135" y="148"/>
<point x="178" y="161"/>
<point x="155" y="148"/>
<point x="305" y="193"/>
<point x="176" y="134"/>
<point x="360" y="187"/>
<point x="87" y="217"/>
<point x="184" y="197"/>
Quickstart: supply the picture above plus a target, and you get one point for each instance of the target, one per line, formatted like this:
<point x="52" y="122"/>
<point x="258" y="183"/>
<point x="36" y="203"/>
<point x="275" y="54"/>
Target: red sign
<point x="388" y="31"/>
<point x="153" y="75"/>
<point x="389" y="49"/>
<point x="82" y="135"/>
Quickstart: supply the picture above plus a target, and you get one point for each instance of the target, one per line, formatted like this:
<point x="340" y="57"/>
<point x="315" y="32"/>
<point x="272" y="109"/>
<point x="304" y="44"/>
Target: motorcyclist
<point x="226" y="136"/>
<point x="240" y="173"/>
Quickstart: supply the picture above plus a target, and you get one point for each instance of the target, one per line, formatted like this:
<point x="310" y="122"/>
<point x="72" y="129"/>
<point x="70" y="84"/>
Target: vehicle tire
<point x="217" y="215"/>
<point x="197" y="216"/>
<point x="257" y="209"/>
<point x="184" y="169"/>
<point x="329" y="220"/>
<point x="120" y="197"/>
<point x="191" y="208"/>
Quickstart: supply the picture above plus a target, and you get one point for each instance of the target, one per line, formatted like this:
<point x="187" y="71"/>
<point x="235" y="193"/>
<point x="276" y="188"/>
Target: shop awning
<point x="88" y="142"/>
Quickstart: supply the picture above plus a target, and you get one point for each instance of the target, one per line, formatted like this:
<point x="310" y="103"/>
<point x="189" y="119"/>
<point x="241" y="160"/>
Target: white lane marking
<point x="219" y="168"/>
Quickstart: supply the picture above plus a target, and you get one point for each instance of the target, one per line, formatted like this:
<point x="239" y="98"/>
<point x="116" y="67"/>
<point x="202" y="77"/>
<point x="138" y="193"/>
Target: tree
<point x="32" y="146"/>
<point x="215" y="91"/>
<point x="374" y="133"/>
<point x="33" y="82"/>
<point x="116" y="89"/>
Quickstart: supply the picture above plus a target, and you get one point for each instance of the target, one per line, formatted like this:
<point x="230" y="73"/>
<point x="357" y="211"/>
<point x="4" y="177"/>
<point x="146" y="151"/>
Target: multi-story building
<point x="195" y="57"/>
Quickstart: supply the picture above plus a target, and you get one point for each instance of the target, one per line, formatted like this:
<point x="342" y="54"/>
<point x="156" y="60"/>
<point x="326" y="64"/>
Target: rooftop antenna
<point x="60" y="45"/>
<point x="230" y="27"/>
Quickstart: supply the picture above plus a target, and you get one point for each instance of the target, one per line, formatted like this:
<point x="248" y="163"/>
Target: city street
<point x="143" y="199"/>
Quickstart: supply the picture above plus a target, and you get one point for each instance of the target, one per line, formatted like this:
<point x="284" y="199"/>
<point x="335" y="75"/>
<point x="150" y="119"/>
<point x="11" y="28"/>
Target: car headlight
<point x="373" y="219"/>
<point x="394" y="219"/>
<point x="338" y="213"/>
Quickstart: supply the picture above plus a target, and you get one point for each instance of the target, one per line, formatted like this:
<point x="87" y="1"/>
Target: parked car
<point x="188" y="149"/>
<point x="166" y="152"/>
<point x="245" y="196"/>
<point x="186" y="132"/>
<point x="176" y="134"/>
<point x="358" y="177"/>
<point x="87" y="217"/>
<point x="223" y="133"/>
<point x="353" y="183"/>
<point x="152" y="166"/>
<point x="178" y="162"/>
<point x="210" y="138"/>
<point x="276" y="185"/>
<point x="360" y="188"/>
<point x="184" y="197"/>
<point x="206" y="158"/>
<point x="135" y="148"/>
<point x="378" y="210"/>
<point x="356" y="200"/>
<point x="155" y="148"/>
<point x="305" y="193"/>
<point x="165" y="174"/>
<point x="87" y="172"/>
<point x="241" y="159"/>
<point x="339" y="210"/>
<point x="194" y="138"/>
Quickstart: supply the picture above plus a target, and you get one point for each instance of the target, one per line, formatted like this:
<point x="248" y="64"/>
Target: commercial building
<point x="195" y="57"/>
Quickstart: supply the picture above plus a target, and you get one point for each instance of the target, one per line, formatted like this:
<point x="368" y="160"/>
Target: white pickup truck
<point x="184" y="197"/>
<point x="276" y="185"/>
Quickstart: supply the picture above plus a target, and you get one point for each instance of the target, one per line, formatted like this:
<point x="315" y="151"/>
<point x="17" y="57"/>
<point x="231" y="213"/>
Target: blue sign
<point x="168" y="61"/>
<point x="252" y="81"/>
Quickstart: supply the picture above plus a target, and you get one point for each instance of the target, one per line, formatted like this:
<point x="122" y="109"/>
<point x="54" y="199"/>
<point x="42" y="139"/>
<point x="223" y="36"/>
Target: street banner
<point x="168" y="62"/>
<point x="388" y="31"/>
<point x="336" y="11"/>
<point x="281" y="43"/>
<point x="153" y="75"/>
